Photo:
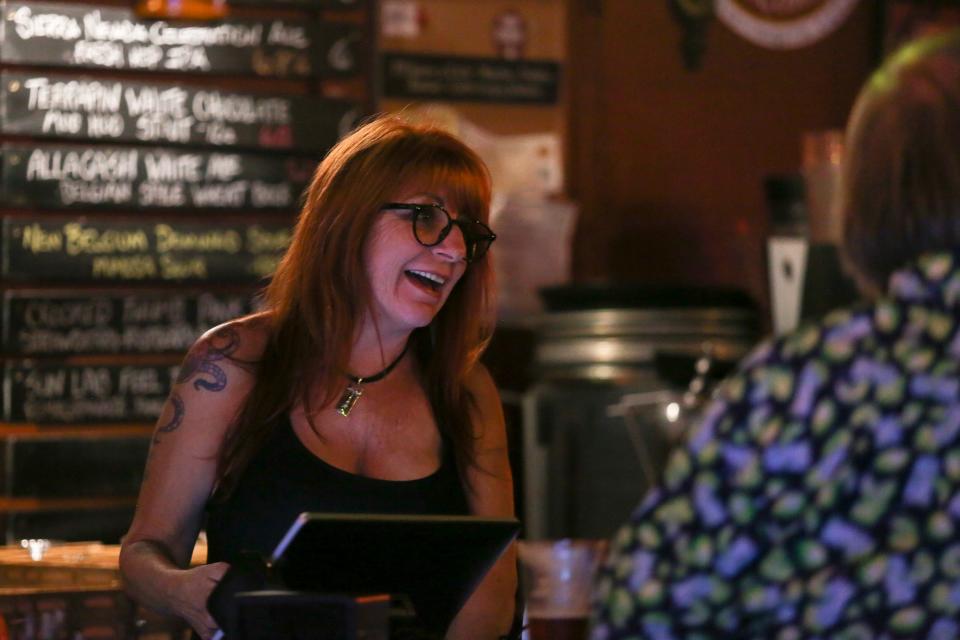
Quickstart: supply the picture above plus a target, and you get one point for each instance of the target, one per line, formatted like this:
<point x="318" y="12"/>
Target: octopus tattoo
<point x="201" y="366"/>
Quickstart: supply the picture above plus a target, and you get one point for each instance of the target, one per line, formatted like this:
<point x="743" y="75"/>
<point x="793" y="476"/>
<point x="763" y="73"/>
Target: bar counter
<point x="74" y="590"/>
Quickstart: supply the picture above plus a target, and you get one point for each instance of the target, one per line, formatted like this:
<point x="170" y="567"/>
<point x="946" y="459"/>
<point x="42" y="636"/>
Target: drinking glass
<point x="557" y="578"/>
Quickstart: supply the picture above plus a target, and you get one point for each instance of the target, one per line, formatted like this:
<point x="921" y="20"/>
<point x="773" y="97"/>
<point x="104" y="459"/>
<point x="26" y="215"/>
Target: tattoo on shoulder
<point x="201" y="366"/>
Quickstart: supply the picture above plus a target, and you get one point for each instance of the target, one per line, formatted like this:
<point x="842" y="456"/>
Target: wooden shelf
<point x="31" y="431"/>
<point x="36" y="505"/>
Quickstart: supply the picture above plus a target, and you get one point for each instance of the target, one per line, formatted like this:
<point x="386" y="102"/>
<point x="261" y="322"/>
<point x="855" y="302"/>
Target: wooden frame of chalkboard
<point x="345" y="5"/>
<point x="71" y="176"/>
<point x="115" y="38"/>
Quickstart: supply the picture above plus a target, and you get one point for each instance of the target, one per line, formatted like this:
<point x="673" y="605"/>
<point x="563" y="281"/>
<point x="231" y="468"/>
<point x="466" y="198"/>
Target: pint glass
<point x="557" y="577"/>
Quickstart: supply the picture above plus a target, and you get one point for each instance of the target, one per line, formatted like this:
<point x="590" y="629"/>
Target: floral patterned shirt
<point x="820" y="495"/>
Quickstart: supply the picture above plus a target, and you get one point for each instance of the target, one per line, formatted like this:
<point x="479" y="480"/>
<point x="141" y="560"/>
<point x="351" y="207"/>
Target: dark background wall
<point x="667" y="163"/>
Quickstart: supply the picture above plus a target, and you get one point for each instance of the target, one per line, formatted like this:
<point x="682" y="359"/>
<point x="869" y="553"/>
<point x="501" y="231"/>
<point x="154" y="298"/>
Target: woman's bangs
<point x="465" y="183"/>
<point x="467" y="190"/>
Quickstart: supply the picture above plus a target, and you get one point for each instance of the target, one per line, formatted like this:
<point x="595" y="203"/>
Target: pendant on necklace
<point x="349" y="399"/>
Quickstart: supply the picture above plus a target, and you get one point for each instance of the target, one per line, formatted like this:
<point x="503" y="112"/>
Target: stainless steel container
<point x="617" y="386"/>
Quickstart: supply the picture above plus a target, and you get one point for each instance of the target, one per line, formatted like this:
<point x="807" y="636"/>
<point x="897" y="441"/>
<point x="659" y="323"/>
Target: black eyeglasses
<point x="432" y="223"/>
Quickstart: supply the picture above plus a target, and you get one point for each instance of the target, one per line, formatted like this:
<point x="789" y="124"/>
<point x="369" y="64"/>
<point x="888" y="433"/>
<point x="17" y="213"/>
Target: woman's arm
<point x="179" y="477"/>
<point x="489" y="612"/>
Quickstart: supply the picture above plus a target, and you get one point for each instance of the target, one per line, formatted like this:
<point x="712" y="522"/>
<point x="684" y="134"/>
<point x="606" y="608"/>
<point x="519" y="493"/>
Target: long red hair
<point x="319" y="292"/>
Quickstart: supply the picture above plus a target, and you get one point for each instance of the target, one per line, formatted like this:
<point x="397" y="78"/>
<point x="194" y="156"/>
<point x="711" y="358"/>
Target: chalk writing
<point x="48" y="323"/>
<point x="475" y="79"/>
<point x="63" y="176"/>
<point x="121" y="110"/>
<point x="52" y="33"/>
<point x="111" y="249"/>
<point x="59" y="392"/>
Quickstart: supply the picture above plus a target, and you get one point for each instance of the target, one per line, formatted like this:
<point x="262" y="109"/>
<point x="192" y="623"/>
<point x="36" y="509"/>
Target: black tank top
<point x="285" y="479"/>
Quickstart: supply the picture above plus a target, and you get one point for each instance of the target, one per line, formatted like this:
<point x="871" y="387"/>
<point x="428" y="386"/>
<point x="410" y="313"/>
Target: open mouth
<point x="426" y="279"/>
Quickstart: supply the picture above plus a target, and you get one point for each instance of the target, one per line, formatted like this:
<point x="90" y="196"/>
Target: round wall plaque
<point x="783" y="24"/>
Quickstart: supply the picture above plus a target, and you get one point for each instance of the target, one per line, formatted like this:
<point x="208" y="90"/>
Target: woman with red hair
<point x="357" y="388"/>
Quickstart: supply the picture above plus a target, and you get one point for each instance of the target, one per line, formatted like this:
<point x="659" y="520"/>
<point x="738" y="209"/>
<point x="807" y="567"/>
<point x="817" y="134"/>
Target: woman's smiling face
<point x="409" y="282"/>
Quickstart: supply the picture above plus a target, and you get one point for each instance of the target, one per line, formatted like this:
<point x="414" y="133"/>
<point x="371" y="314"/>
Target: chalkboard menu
<point x="65" y="393"/>
<point x="60" y="34"/>
<point x="124" y="250"/>
<point x="117" y="110"/>
<point x="150" y="174"/>
<point x="64" y="323"/>
<point x="65" y="176"/>
<point x="72" y="467"/>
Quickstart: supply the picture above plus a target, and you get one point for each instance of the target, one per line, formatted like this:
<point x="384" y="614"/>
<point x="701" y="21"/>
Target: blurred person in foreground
<point x="356" y="389"/>
<point x="820" y="495"/>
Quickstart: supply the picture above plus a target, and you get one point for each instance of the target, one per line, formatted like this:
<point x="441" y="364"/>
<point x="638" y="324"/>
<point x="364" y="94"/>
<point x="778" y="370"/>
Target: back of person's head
<point x="901" y="186"/>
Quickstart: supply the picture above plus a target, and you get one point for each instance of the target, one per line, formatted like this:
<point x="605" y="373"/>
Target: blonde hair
<point x="901" y="186"/>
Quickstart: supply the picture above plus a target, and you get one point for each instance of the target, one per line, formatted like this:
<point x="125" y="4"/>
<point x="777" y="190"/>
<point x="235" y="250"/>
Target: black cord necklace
<point x="355" y="388"/>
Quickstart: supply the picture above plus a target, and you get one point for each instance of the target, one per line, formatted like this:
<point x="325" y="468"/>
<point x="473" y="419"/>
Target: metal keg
<point x="620" y="374"/>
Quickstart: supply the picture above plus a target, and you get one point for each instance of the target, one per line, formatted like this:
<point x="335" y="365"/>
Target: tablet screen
<point x="434" y="561"/>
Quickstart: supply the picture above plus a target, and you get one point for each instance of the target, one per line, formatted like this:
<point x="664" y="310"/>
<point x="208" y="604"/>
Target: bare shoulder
<point x="228" y="351"/>
<point x="488" y="412"/>
<point x="242" y="340"/>
<point x="214" y="379"/>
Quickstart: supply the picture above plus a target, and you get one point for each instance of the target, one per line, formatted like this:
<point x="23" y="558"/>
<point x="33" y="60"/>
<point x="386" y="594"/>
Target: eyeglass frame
<point x="471" y="241"/>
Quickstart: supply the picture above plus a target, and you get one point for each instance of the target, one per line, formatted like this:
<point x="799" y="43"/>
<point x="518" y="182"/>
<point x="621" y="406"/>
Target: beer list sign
<point x="57" y="176"/>
<point x="63" y="393"/>
<point x="60" y="34"/>
<point x="62" y="323"/>
<point x="121" y="111"/>
<point x="118" y="163"/>
<point x="125" y="250"/>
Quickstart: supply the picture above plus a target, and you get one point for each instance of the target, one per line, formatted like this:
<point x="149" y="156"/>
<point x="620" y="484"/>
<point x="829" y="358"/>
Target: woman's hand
<point x="193" y="590"/>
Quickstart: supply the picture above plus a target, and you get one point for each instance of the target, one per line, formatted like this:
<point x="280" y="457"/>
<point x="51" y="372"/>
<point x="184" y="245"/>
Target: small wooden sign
<point x="433" y="77"/>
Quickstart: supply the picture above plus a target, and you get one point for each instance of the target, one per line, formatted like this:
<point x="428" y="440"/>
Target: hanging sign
<point x="458" y="78"/>
<point x="783" y="24"/>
